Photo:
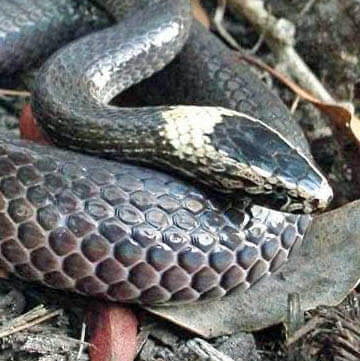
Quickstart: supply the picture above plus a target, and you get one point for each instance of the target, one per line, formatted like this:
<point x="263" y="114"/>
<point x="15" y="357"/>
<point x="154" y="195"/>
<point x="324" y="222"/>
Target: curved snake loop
<point x="125" y="232"/>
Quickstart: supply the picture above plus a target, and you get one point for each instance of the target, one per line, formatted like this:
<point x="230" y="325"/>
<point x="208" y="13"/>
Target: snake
<point x="178" y="200"/>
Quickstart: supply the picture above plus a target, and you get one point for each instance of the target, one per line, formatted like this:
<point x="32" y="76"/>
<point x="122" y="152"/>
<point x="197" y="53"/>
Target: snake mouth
<point x="296" y="200"/>
<point x="317" y="200"/>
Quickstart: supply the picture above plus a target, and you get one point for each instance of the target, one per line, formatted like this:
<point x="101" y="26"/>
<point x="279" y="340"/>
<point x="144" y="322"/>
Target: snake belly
<point x="133" y="234"/>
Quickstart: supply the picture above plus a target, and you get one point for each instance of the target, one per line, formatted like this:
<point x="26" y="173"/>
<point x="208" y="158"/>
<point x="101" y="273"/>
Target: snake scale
<point x="126" y="232"/>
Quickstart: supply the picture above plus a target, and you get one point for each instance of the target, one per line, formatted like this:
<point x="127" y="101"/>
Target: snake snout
<point x="314" y="193"/>
<point x="324" y="196"/>
<point x="256" y="153"/>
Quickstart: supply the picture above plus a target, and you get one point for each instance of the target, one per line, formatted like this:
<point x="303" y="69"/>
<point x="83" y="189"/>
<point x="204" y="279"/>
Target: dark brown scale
<point x="151" y="240"/>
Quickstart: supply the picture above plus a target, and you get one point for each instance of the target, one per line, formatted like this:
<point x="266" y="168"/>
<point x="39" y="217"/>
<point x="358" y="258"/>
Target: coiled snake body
<point x="133" y="234"/>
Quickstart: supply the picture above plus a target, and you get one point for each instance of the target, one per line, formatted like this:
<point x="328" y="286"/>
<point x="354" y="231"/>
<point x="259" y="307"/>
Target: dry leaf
<point x="28" y="127"/>
<point x="113" y="331"/>
<point x="355" y="127"/>
<point x="324" y="271"/>
<point x="3" y="273"/>
<point x="200" y="13"/>
<point x="341" y="113"/>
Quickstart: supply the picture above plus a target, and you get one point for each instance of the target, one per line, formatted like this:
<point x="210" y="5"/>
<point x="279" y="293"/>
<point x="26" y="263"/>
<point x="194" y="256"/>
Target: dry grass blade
<point x="14" y="93"/>
<point x="34" y="317"/>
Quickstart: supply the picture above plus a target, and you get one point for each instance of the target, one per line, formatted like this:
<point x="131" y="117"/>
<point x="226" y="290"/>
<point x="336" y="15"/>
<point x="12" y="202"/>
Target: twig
<point x="301" y="332"/>
<point x="218" y="22"/>
<point x="279" y="35"/>
<point x="141" y="339"/>
<point x="205" y="351"/>
<point x="34" y="317"/>
<point x="82" y="341"/>
<point x="16" y="93"/>
<point x="295" y="104"/>
<point x="307" y="7"/>
<point x="256" y="47"/>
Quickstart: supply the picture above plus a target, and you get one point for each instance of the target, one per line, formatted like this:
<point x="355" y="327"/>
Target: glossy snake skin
<point x="133" y="234"/>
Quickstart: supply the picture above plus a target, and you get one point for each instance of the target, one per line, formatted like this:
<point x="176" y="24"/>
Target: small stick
<point x="205" y="351"/>
<point x="218" y="22"/>
<point x="20" y="323"/>
<point x="16" y="93"/>
<point x="280" y="36"/>
<point x="82" y="341"/>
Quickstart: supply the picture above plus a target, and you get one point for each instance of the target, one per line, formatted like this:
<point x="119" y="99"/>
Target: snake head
<point x="232" y="151"/>
<point x="268" y="163"/>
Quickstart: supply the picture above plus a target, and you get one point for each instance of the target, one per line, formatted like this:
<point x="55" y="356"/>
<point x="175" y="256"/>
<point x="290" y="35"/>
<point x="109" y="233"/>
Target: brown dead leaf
<point x="3" y="273"/>
<point x="113" y="331"/>
<point x="200" y="13"/>
<point x="341" y="113"/>
<point x="355" y="127"/>
<point x="28" y="126"/>
<point x="323" y="271"/>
